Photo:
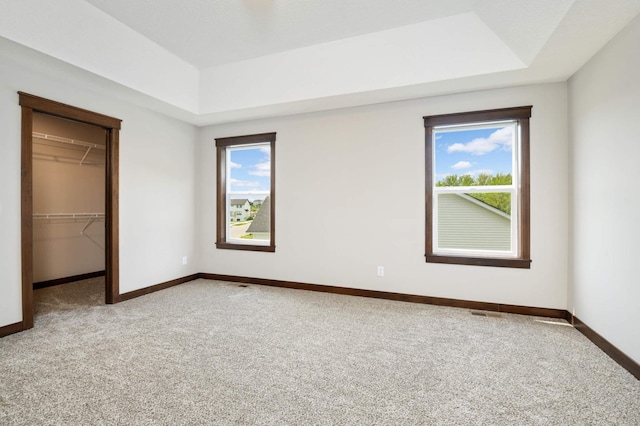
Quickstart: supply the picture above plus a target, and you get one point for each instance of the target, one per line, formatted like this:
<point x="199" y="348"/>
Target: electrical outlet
<point x="381" y="271"/>
<point x="185" y="260"/>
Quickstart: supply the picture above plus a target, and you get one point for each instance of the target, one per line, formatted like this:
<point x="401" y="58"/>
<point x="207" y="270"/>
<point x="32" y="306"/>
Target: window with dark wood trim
<point x="453" y="236"/>
<point x="245" y="194"/>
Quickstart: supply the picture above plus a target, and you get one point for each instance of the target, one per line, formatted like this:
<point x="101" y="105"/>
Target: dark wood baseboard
<point x="11" y="329"/>
<point x="65" y="280"/>
<point x="143" y="291"/>
<point x="568" y="317"/>
<point x="616" y="354"/>
<point x="456" y="303"/>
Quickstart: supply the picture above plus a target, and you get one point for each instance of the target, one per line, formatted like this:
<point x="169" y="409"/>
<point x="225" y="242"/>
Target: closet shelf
<point x="82" y="144"/>
<point x="60" y="139"/>
<point x="68" y="215"/>
<point x="90" y="217"/>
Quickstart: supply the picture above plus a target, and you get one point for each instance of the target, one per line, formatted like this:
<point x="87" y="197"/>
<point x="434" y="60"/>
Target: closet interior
<point x="68" y="200"/>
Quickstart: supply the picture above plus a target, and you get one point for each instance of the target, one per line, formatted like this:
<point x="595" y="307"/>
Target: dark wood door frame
<point x="31" y="104"/>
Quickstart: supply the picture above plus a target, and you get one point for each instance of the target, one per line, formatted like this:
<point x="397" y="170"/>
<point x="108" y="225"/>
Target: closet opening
<point x="69" y="198"/>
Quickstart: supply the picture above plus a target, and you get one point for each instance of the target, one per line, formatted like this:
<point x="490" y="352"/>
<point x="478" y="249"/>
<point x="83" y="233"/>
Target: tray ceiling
<point x="220" y="60"/>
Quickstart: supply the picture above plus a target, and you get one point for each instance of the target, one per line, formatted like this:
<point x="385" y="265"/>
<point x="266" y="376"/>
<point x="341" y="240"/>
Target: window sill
<point x="247" y="247"/>
<point x="480" y="261"/>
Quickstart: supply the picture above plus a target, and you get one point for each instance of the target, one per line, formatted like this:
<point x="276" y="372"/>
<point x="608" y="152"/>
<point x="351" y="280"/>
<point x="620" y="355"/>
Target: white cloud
<point x="261" y="169"/>
<point x="243" y="183"/>
<point x="482" y="171"/>
<point x="500" y="139"/>
<point x="472" y="173"/>
<point x="461" y="165"/>
<point x="235" y="165"/>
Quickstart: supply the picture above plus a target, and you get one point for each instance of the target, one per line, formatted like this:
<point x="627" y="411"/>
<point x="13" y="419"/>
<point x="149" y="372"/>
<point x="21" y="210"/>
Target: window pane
<point x="256" y="227"/>
<point x="474" y="155"/>
<point x="477" y="194"/>
<point x="478" y="221"/>
<point x="249" y="211"/>
<point x="250" y="170"/>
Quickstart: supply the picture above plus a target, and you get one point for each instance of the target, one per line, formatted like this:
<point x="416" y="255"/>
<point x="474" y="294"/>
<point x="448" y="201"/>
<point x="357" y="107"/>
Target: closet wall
<point x="68" y="198"/>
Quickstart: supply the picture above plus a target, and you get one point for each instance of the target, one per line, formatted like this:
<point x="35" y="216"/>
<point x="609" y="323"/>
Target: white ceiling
<point x="210" y="61"/>
<point x="214" y="32"/>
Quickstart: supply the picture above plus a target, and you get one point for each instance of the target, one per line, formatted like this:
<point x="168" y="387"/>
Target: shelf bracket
<point x="89" y="222"/>
<point x="85" y="155"/>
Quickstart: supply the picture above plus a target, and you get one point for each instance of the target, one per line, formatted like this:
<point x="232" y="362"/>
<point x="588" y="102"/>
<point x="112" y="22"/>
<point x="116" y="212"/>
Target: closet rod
<point x="65" y="159"/>
<point x="60" y="139"/>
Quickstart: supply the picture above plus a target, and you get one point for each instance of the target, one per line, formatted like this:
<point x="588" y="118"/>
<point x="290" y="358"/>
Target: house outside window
<point x="246" y="192"/>
<point x="240" y="209"/>
<point x="477" y="188"/>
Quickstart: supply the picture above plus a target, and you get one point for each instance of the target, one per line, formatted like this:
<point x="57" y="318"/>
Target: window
<point x="477" y="188"/>
<point x="246" y="192"/>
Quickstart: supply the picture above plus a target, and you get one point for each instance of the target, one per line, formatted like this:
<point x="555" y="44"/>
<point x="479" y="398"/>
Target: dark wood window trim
<point x="30" y="104"/>
<point x="221" y="191"/>
<point x="522" y="115"/>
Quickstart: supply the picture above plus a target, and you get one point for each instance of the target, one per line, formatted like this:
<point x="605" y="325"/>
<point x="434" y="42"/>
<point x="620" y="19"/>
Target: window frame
<point x="521" y="116"/>
<point x="222" y="144"/>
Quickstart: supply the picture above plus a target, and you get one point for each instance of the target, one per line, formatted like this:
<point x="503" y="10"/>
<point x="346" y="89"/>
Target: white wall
<point x="367" y="163"/>
<point x="157" y="201"/>
<point x="157" y="177"/>
<point x="605" y="129"/>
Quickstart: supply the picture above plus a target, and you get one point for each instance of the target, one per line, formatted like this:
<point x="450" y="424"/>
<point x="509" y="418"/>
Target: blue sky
<point x="251" y="170"/>
<point x="474" y="151"/>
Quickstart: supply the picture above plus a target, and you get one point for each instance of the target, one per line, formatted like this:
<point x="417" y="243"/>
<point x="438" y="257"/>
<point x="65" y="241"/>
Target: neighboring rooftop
<point x="262" y="221"/>
<point x="238" y="201"/>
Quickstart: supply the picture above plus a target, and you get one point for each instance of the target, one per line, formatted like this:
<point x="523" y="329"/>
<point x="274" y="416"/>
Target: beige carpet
<point x="209" y="352"/>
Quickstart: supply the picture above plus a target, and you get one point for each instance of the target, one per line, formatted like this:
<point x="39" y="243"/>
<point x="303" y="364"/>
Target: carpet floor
<point x="209" y="352"/>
